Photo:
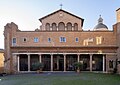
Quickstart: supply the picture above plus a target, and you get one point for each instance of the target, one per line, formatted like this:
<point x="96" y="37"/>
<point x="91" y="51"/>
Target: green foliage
<point x="37" y="66"/>
<point x="78" y="65"/>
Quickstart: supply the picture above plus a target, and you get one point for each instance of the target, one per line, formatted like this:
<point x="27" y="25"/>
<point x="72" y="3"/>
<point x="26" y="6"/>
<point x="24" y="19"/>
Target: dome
<point x="100" y="26"/>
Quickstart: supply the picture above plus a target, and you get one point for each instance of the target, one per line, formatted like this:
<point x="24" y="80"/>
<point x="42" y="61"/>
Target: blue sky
<point x="25" y="13"/>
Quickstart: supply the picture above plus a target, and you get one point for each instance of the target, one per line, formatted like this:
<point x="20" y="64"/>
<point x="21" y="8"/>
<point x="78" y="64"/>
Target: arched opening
<point x="61" y="26"/>
<point x="54" y="27"/>
<point x="47" y="26"/>
<point x="69" y="26"/>
<point x="75" y="26"/>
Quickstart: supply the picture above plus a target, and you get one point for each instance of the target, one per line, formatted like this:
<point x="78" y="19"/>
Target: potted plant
<point x="37" y="66"/>
<point x="78" y="66"/>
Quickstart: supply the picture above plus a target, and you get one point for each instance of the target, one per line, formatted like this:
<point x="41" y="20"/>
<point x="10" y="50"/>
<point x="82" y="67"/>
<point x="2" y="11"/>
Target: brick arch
<point x="75" y="26"/>
<point x="54" y="27"/>
<point x="69" y="26"/>
<point x="47" y="26"/>
<point x="61" y="26"/>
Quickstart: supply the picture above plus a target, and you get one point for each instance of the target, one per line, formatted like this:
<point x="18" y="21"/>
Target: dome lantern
<point x="100" y="20"/>
<point x="100" y="26"/>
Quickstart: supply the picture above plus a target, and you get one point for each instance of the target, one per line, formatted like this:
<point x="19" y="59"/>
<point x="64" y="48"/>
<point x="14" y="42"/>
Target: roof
<point x="100" y="25"/>
<point x="63" y="11"/>
<point x="118" y="9"/>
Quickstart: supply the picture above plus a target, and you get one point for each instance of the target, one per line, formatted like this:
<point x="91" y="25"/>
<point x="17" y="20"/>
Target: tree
<point x="78" y="66"/>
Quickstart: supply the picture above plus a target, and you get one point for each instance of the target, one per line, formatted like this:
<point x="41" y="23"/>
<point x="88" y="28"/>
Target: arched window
<point x="75" y="26"/>
<point x="69" y="26"/>
<point x="54" y="27"/>
<point x="61" y="26"/>
<point x="47" y="26"/>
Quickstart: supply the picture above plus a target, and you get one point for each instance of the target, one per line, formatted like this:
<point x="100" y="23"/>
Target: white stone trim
<point x="66" y="53"/>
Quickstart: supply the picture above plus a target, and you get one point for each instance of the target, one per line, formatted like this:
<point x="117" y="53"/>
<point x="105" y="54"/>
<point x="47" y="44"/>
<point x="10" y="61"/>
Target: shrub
<point x="78" y="65"/>
<point x="37" y="66"/>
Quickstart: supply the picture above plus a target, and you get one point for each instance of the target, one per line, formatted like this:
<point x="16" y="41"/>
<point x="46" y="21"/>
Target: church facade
<point x="60" y="42"/>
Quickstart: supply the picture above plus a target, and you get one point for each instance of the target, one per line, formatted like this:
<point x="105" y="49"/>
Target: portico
<point x="62" y="61"/>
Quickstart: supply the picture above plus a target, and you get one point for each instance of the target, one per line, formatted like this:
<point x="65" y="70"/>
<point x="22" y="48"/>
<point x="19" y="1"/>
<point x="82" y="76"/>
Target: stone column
<point x="57" y="62"/>
<point x="78" y="57"/>
<point x="40" y="59"/>
<point x="64" y="62"/>
<point x="90" y="62"/>
<point x="72" y="29"/>
<point x="18" y="63"/>
<point x="28" y="62"/>
<point x="65" y="29"/>
<point x="51" y="62"/>
<point x="103" y="63"/>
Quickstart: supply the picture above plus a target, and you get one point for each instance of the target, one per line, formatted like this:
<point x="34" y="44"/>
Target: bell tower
<point x="118" y="36"/>
<point x="118" y="15"/>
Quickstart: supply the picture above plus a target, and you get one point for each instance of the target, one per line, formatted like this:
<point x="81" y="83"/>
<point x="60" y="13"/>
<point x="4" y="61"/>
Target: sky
<point x="25" y="13"/>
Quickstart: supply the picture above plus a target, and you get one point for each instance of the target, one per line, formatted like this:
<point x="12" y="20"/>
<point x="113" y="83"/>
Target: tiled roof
<point x="118" y="9"/>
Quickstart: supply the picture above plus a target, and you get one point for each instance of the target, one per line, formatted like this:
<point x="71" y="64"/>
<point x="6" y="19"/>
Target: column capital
<point x="51" y="54"/>
<point x="64" y="54"/>
<point x="91" y="54"/>
<point x="39" y="54"/>
<point x="28" y="54"/>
